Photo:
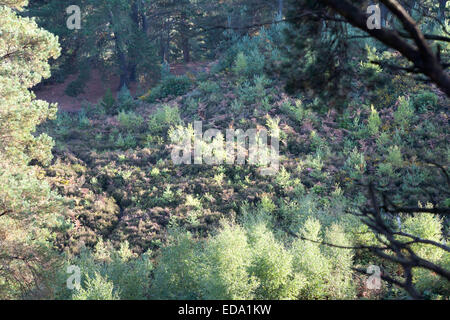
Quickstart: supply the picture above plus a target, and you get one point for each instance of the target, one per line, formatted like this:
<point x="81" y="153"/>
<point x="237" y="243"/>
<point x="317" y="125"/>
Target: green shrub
<point x="130" y="121"/>
<point x="425" y="100"/>
<point x="63" y="123"/>
<point x="163" y="119"/>
<point x="107" y="274"/>
<point x="127" y="142"/>
<point x="108" y="102"/>
<point x="240" y="65"/>
<point x="428" y="226"/>
<point x="237" y="106"/>
<point x="297" y="113"/>
<point x="283" y="178"/>
<point x="256" y="63"/>
<point x="340" y="284"/>
<point x="208" y="87"/>
<point x="125" y="99"/>
<point x="228" y="257"/>
<point x="249" y="94"/>
<point x="165" y="70"/>
<point x="179" y="269"/>
<point x="404" y="113"/>
<point x="171" y="86"/>
<point x="272" y="266"/>
<point x="76" y="87"/>
<point x="266" y="106"/>
<point x="374" y="122"/>
<point x="96" y="288"/>
<point x="355" y="165"/>
<point x="261" y="83"/>
<point x="237" y="263"/>
<point x="191" y="106"/>
<point x="249" y="262"/>
<point x="83" y="120"/>
<point x="395" y="157"/>
<point x="260" y="51"/>
<point x="328" y="270"/>
<point x="425" y="226"/>
<point x="249" y="66"/>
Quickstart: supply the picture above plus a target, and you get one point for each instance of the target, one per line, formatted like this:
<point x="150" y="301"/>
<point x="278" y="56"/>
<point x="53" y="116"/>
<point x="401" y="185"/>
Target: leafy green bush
<point x="395" y="157"/>
<point x="428" y="226"/>
<point x="170" y="86"/>
<point x="163" y="119"/>
<point x="355" y="165"/>
<point x="130" y="121"/>
<point x="228" y="257"/>
<point x="108" y="102"/>
<point x="240" y="65"/>
<point x="107" y="274"/>
<point x="96" y="288"/>
<point x="404" y="113"/>
<point x="327" y="269"/>
<point x="297" y="113"/>
<point x="252" y="54"/>
<point x="374" y="122"/>
<point x="76" y="87"/>
<point x="127" y="142"/>
<point x="208" y="87"/>
<point x="247" y="67"/>
<point x="191" y="106"/>
<point x="83" y="120"/>
<point x="63" y="123"/>
<point x="235" y="264"/>
<point x="272" y="265"/>
<point x="249" y="94"/>
<point x="125" y="100"/>
<point x="425" y="100"/>
<point x="248" y="262"/>
<point x="256" y="63"/>
<point x="165" y="70"/>
<point x="237" y="106"/>
<point x="425" y="226"/>
<point x="179" y="269"/>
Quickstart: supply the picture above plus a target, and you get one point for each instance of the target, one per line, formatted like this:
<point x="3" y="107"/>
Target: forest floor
<point x="96" y="87"/>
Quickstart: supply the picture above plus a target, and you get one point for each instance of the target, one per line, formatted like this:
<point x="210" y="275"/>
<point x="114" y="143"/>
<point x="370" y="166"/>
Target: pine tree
<point x="28" y="208"/>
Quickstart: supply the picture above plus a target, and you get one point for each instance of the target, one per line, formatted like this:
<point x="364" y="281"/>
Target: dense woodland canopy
<point x="361" y="113"/>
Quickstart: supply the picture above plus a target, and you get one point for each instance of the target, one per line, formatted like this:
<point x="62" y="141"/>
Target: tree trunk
<point x="144" y="18"/>
<point x="184" y="31"/>
<point x="384" y="15"/>
<point x="135" y="13"/>
<point x="280" y="9"/>
<point x="186" y="50"/>
<point x="442" y="6"/>
<point x="122" y="60"/>
<point x="124" y="80"/>
<point x="132" y="68"/>
<point x="166" y="56"/>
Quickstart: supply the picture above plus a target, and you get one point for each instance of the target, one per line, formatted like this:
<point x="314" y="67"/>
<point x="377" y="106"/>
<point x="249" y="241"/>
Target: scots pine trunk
<point x="184" y="31"/>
